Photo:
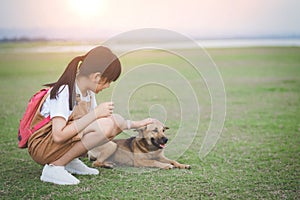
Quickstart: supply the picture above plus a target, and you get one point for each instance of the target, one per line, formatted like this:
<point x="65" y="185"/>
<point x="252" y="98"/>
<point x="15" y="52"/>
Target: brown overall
<point x="41" y="146"/>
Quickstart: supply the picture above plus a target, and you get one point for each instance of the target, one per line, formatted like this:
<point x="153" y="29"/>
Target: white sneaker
<point x="76" y="166"/>
<point x="58" y="175"/>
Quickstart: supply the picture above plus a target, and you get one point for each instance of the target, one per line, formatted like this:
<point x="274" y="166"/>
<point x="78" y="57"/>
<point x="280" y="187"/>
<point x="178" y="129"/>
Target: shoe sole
<point x="50" y="180"/>
<point x="81" y="173"/>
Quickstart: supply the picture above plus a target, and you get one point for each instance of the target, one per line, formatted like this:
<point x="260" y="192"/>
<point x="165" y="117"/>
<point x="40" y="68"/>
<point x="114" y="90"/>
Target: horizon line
<point x="57" y="34"/>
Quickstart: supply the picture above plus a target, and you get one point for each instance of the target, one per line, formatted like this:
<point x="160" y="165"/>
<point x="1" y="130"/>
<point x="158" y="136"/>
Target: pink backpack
<point x="25" y="128"/>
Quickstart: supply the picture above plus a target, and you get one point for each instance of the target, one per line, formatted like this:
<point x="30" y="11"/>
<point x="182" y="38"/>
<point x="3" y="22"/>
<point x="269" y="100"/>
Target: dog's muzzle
<point x="161" y="143"/>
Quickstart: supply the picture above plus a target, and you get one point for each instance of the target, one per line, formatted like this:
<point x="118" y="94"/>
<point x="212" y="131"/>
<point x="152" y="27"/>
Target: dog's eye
<point x="155" y="130"/>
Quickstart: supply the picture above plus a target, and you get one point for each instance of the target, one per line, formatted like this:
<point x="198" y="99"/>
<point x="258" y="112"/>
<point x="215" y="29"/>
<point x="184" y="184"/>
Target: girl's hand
<point x="104" y="109"/>
<point x="144" y="122"/>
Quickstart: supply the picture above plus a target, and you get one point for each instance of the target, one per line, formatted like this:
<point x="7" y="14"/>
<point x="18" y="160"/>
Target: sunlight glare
<point x="87" y="8"/>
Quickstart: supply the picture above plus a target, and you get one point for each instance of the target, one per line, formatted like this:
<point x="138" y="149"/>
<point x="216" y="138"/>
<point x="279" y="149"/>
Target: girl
<point x="77" y="123"/>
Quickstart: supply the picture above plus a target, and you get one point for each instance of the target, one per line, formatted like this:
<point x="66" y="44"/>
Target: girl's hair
<point x="99" y="59"/>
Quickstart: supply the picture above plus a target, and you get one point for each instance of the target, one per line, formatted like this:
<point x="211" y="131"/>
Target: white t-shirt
<point x="60" y="105"/>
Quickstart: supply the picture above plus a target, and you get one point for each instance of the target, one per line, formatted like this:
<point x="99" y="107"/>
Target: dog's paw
<point x="107" y="165"/>
<point x="168" y="166"/>
<point x="187" y="167"/>
<point x="97" y="164"/>
<point x="183" y="166"/>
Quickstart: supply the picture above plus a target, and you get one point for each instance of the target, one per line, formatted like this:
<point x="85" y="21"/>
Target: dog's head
<point x="154" y="134"/>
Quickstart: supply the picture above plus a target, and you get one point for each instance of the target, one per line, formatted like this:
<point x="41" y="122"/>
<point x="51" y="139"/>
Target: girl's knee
<point x="119" y="122"/>
<point x="104" y="126"/>
<point x="109" y="127"/>
<point x="117" y="118"/>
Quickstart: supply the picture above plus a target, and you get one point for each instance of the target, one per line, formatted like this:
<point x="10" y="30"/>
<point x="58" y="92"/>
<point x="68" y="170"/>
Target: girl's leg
<point x="96" y="134"/>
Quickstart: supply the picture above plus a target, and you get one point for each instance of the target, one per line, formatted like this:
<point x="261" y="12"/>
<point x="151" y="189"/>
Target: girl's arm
<point x="62" y="132"/>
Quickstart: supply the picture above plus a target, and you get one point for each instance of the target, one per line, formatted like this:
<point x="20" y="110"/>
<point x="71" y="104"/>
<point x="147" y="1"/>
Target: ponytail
<point x="67" y="78"/>
<point x="100" y="59"/>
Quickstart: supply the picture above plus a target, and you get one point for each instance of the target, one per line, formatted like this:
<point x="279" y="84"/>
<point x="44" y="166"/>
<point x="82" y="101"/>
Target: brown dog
<point x="145" y="150"/>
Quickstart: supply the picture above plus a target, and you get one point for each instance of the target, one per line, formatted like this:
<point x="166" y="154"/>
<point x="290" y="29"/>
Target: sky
<point x="102" y="18"/>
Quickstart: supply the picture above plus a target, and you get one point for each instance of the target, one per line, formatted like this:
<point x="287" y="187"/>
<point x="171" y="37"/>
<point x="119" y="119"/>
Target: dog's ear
<point x="141" y="131"/>
<point x="166" y="128"/>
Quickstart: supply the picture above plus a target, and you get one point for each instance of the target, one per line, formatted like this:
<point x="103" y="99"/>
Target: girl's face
<point x="103" y="84"/>
<point x="98" y="83"/>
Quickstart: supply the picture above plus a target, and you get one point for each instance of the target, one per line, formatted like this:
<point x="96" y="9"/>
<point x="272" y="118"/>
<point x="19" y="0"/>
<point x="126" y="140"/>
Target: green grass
<point x="256" y="157"/>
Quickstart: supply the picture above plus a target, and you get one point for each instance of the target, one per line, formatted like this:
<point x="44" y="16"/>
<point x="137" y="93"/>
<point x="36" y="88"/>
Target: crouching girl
<point x="77" y="123"/>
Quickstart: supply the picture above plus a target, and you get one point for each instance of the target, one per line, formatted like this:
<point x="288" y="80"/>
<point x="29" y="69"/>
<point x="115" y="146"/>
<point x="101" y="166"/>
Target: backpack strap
<point x="38" y="118"/>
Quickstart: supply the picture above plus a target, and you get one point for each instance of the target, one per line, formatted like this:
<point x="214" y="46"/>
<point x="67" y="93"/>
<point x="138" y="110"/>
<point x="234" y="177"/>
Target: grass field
<point x="256" y="157"/>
